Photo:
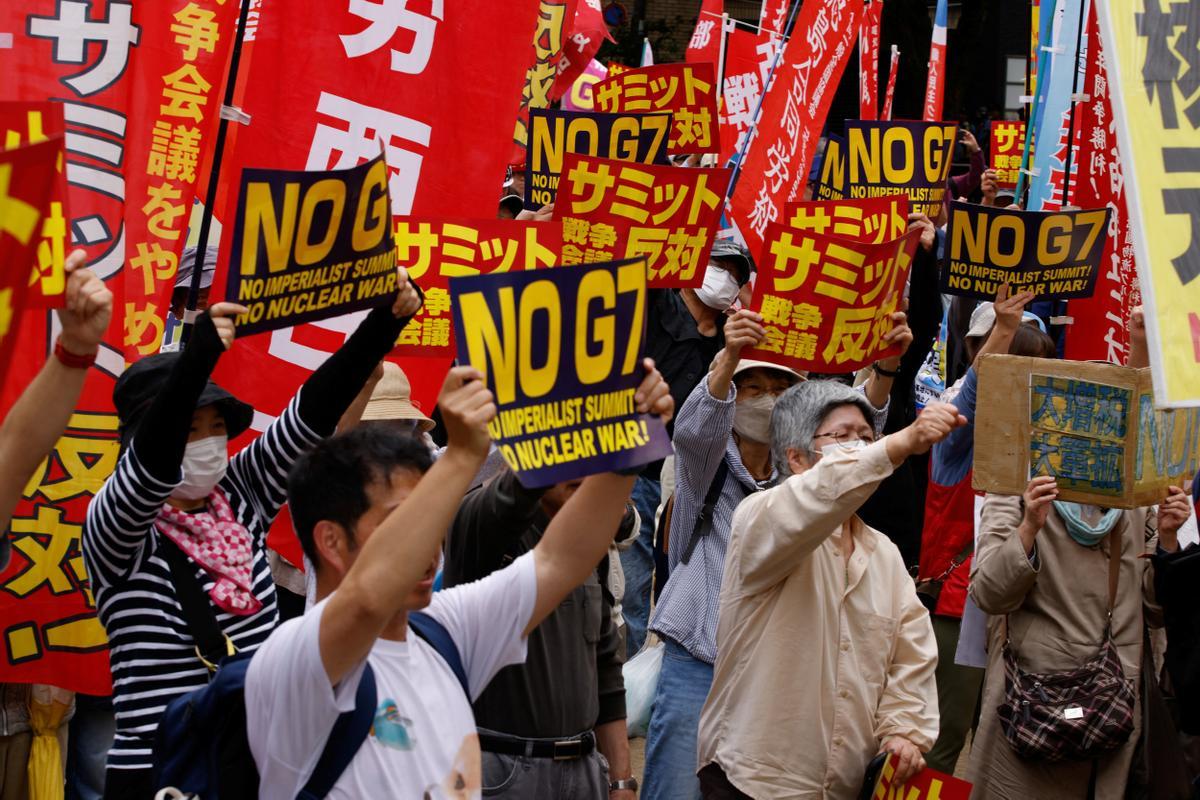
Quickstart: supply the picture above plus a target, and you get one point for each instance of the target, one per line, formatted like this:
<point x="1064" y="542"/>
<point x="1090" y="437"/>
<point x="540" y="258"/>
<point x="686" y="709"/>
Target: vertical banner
<point x="1005" y="151"/>
<point x="1067" y="65"/>
<point x="688" y="91"/>
<point x="549" y="40"/>
<point x="793" y="114"/>
<point x="890" y="93"/>
<point x="1100" y="330"/>
<point x="561" y="350"/>
<point x="773" y="17"/>
<point x="935" y="85"/>
<point x="747" y="63"/>
<point x="588" y="31"/>
<point x="705" y="44"/>
<point x="868" y="60"/>
<point x="1148" y="48"/>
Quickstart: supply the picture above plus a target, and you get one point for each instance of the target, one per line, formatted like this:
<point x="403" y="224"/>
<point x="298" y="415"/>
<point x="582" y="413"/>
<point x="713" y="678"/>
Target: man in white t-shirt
<point x="370" y="511"/>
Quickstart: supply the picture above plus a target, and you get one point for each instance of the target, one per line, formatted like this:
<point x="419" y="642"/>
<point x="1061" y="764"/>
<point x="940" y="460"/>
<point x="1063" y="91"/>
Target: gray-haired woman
<point x="825" y="655"/>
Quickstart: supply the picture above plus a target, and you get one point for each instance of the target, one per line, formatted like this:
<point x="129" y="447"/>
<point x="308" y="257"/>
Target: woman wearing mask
<point x="722" y="455"/>
<point x="178" y="506"/>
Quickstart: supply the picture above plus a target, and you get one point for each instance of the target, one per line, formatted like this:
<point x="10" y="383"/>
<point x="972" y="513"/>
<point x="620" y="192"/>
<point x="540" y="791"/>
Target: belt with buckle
<point x="557" y="749"/>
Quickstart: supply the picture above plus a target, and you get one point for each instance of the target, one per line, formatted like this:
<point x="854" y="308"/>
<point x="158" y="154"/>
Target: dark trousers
<point x="715" y="786"/>
<point x="129" y="784"/>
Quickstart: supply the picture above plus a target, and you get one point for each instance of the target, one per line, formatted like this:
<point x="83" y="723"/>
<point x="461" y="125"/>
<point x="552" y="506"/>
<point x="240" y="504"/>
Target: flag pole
<point x="721" y="55"/>
<point x="1044" y="46"/>
<point x="753" y="128"/>
<point x="1083" y="9"/>
<point x="210" y="197"/>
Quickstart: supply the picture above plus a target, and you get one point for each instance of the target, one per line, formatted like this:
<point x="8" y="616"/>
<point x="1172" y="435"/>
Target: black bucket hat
<point x="143" y="380"/>
<point x="729" y="250"/>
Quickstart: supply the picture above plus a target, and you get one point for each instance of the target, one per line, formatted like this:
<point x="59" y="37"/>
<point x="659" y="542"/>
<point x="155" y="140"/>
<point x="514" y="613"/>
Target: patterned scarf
<point x="1083" y="533"/>
<point x="216" y="541"/>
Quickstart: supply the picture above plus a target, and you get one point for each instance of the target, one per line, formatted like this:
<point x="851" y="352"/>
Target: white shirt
<point x="423" y="743"/>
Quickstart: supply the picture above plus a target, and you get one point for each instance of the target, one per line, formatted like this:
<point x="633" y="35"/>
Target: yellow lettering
<point x="489" y="350"/>
<point x="373" y="196"/>
<point x="261" y="221"/>
<point x="894" y="173"/>
<point x="595" y="286"/>
<point x="1095" y="220"/>
<point x="330" y="190"/>
<point x="539" y="296"/>
<point x="1054" y="239"/>
<point x="547" y="143"/>
<point x="973" y="237"/>
<point x="1013" y="257"/>
<point x="864" y="156"/>
<point x="632" y="278"/>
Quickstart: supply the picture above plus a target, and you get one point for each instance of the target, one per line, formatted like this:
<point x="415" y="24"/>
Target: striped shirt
<point x="687" y="610"/>
<point x="151" y="649"/>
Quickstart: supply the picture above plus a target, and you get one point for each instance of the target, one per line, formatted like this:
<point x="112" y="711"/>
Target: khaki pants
<point x="14" y="766"/>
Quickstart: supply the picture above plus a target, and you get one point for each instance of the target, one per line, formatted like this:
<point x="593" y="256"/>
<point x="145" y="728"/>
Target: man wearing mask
<point x="683" y="334"/>
<point x="178" y="515"/>
<point x="722" y="455"/>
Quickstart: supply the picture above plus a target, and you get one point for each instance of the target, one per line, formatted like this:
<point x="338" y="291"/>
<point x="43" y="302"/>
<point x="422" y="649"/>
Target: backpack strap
<point x="212" y="644"/>
<point x="436" y="635"/>
<point x="704" y="520"/>
<point x="345" y="738"/>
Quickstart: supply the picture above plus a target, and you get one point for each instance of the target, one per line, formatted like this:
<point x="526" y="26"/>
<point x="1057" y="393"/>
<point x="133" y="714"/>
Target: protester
<point x="41" y="413"/>
<point x="825" y="655"/>
<point x="948" y="541"/>
<point x="723" y="454"/>
<point x="178" y="508"/>
<point x="555" y="725"/>
<point x="683" y="335"/>
<point x="371" y="513"/>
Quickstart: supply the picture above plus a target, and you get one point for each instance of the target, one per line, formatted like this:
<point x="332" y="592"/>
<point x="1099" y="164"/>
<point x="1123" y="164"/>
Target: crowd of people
<point x="822" y="579"/>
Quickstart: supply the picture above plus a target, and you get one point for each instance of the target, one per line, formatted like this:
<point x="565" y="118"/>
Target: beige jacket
<point x="1057" y="609"/>
<point x="818" y="660"/>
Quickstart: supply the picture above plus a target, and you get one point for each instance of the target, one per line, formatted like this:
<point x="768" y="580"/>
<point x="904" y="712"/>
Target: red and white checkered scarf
<point x="216" y="541"/>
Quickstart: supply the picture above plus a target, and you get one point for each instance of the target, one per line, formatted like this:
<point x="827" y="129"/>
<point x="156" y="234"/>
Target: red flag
<point x="773" y="17"/>
<point x="688" y="91"/>
<point x="705" y="44"/>
<point x="891" y="84"/>
<point x="588" y="32"/>
<point x="747" y="64"/>
<point x="140" y="87"/>
<point x="794" y="110"/>
<point x="543" y="63"/>
<point x="1100" y="331"/>
<point x="868" y="60"/>
<point x="936" y="83"/>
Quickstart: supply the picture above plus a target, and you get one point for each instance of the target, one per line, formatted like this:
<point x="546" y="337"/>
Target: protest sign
<point x="542" y="64"/>
<point x="1093" y="427"/>
<point x="1004" y="153"/>
<point x="672" y="213"/>
<point x="434" y="250"/>
<point x="928" y="784"/>
<point x="875" y="220"/>
<point x="29" y="123"/>
<point x="588" y="30"/>
<point x="1147" y="52"/>
<point x="881" y="158"/>
<point x="868" y="60"/>
<point x="637" y="138"/>
<point x="1055" y="255"/>
<point x="561" y="350"/>
<point x="579" y="96"/>
<point x="826" y="303"/>
<point x="311" y="245"/>
<point x="688" y="91"/>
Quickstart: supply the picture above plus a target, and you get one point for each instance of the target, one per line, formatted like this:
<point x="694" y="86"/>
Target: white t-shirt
<point x="423" y="743"/>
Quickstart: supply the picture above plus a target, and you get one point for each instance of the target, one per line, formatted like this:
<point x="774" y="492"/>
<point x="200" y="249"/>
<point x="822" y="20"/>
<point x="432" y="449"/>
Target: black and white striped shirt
<point x="150" y="647"/>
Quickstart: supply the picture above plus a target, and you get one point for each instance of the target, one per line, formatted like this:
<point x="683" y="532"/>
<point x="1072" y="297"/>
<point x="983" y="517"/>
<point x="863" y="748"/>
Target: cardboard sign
<point x="875" y="220"/>
<point x="1006" y="150"/>
<point x="561" y="350"/>
<point x="436" y="250"/>
<point x="1055" y="255"/>
<point x="928" y="784"/>
<point x="672" y="213"/>
<point x="688" y="91"/>
<point x="826" y="302"/>
<point x="24" y="123"/>
<point x="311" y="245"/>
<point x="882" y="158"/>
<point x="637" y="138"/>
<point x="1093" y="427"/>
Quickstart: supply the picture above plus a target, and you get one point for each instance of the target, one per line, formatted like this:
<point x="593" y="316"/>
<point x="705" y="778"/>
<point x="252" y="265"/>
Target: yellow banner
<point x="1155" y="100"/>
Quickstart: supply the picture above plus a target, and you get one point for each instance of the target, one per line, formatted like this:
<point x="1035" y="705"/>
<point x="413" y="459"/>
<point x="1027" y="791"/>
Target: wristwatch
<point x="625" y="783"/>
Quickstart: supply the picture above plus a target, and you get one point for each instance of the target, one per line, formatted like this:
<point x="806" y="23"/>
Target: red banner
<point x="140" y="87"/>
<point x="549" y="39"/>
<point x="688" y="91"/>
<point x="1100" y="331"/>
<point x="588" y="32"/>
<point x="794" y="110"/>
<point x="826" y="302"/>
<point x="1004" y="154"/>
<point x="874" y="220"/>
<point x="27" y="186"/>
<point x="747" y="62"/>
<point x="928" y="784"/>
<point x="436" y="250"/>
<point x="705" y="44"/>
<point x="672" y="212"/>
<point x="29" y="123"/>
<point x="935" y="83"/>
<point x="890" y="93"/>
<point x="773" y="17"/>
<point x="868" y="60"/>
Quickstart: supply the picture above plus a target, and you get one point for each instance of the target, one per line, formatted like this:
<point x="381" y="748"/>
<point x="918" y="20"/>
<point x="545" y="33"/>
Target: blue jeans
<point x="683" y="686"/>
<point x="638" y="565"/>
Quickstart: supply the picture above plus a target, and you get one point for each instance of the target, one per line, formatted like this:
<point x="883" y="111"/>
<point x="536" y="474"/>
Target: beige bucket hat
<point x="392" y="399"/>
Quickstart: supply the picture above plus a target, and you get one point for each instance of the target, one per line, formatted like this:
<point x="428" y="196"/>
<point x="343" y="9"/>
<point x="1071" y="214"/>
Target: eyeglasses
<point x="844" y="439"/>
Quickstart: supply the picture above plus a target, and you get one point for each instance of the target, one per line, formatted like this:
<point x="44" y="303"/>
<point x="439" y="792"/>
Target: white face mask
<point x="846" y="446"/>
<point x="204" y="465"/>
<point x="720" y="289"/>
<point x="752" y="418"/>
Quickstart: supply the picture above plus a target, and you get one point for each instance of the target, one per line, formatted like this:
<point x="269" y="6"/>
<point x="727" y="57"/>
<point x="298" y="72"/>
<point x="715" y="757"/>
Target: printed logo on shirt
<point x="391" y="729"/>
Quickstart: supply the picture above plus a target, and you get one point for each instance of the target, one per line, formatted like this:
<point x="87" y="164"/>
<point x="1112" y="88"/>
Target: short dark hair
<point x="1028" y="340"/>
<point x="329" y="482"/>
